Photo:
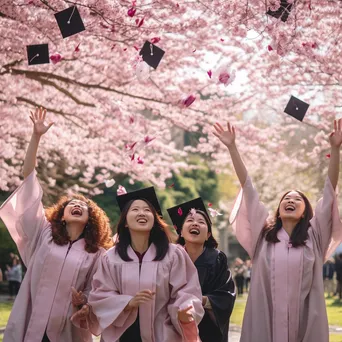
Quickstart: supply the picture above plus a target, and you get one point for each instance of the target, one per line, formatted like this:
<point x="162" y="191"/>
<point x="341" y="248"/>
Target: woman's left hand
<point x="185" y="316"/>
<point x="335" y="136"/>
<point x="82" y="313"/>
<point x="78" y="298"/>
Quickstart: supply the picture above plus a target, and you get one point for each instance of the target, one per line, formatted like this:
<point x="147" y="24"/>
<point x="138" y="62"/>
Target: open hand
<point x="78" y="298"/>
<point x="38" y="118"/>
<point x="140" y="298"/>
<point x="226" y="136"/>
<point x="335" y="136"/>
<point x="185" y="316"/>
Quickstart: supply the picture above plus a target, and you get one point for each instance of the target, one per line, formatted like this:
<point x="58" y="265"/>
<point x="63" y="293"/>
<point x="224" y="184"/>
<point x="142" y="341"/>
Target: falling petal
<point x="132" y="157"/>
<point x="194" y="50"/>
<point x="171" y="186"/>
<point x="192" y="211"/>
<point x="77" y="48"/>
<point x="270" y="48"/>
<point x="328" y="155"/>
<point x="131" y="120"/>
<point x="121" y="190"/>
<point x="141" y="22"/>
<point x="213" y="212"/>
<point x="210" y="204"/>
<point x="130" y="147"/>
<point x="187" y="101"/>
<point x="140" y="160"/>
<point x="209" y="73"/>
<point x="155" y="40"/>
<point x="148" y="139"/>
<point x="56" y="58"/>
<point x="109" y="183"/>
<point x="180" y="211"/>
<point x="131" y="12"/>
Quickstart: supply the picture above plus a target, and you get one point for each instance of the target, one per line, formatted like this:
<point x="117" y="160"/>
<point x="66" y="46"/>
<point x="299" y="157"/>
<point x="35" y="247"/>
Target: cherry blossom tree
<point x="115" y="117"/>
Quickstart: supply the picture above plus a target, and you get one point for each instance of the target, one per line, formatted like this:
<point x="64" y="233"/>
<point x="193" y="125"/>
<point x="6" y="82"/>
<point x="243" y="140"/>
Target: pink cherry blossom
<point x="187" y="101"/>
<point x="213" y="212"/>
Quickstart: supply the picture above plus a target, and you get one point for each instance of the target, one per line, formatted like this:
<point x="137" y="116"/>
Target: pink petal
<point x="137" y="48"/>
<point x="140" y="160"/>
<point x="222" y="40"/>
<point x="171" y="186"/>
<point x="155" y="40"/>
<point x="148" y="139"/>
<point x="192" y="212"/>
<point x="141" y="22"/>
<point x="132" y="157"/>
<point x="194" y="50"/>
<point x="210" y="204"/>
<point x="55" y="58"/>
<point x="328" y="155"/>
<point x="213" y="212"/>
<point x="131" y="12"/>
<point x="180" y="211"/>
<point x="188" y="101"/>
<point x="130" y="147"/>
<point x="270" y="48"/>
<point x="77" y="48"/>
<point x="121" y="190"/>
<point x="131" y="119"/>
<point x="104" y="26"/>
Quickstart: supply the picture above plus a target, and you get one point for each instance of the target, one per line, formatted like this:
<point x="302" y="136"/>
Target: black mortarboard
<point x="148" y="194"/>
<point x="38" y="54"/>
<point x="283" y="11"/>
<point x="69" y="21"/>
<point x="151" y="54"/>
<point x="181" y="211"/>
<point x="296" y="108"/>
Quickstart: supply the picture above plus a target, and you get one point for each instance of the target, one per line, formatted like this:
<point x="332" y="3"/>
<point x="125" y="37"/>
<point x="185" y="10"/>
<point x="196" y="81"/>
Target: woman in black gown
<point x="194" y="228"/>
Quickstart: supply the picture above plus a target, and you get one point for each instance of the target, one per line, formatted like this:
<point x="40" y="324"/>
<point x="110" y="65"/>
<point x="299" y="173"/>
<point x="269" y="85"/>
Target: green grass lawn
<point x="5" y="310"/>
<point x="334" y="310"/>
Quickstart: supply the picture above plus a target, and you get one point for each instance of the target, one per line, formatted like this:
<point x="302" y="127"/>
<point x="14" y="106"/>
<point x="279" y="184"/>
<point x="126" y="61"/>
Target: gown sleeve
<point x="222" y="297"/>
<point x="107" y="304"/>
<point x="185" y="291"/>
<point x="24" y="216"/>
<point x="326" y="223"/>
<point x="248" y="217"/>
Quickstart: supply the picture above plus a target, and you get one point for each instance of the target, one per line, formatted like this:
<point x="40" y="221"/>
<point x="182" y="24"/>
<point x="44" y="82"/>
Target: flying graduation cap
<point x="296" y="108"/>
<point x="69" y="21"/>
<point x="151" y="54"/>
<point x="38" y="54"/>
<point x="181" y="211"/>
<point x="147" y="194"/>
<point x="283" y="11"/>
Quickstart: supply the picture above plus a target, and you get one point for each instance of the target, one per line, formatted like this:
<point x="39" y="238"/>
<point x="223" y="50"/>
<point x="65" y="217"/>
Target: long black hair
<point x="211" y="242"/>
<point x="300" y="232"/>
<point x="159" y="234"/>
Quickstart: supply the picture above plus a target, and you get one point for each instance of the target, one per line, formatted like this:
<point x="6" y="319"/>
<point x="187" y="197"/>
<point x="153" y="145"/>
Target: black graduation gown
<point x="217" y="284"/>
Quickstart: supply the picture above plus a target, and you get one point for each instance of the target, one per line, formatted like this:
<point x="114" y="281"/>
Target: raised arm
<point x="39" y="128"/>
<point x="227" y="137"/>
<point x="335" y="139"/>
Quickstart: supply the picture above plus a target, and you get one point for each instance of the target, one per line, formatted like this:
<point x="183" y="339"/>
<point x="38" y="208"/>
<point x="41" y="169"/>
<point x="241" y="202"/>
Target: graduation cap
<point x="69" y="21"/>
<point x="296" y="108"/>
<point x="283" y="11"/>
<point x="151" y="54"/>
<point x="38" y="54"/>
<point x="181" y="211"/>
<point x="148" y="194"/>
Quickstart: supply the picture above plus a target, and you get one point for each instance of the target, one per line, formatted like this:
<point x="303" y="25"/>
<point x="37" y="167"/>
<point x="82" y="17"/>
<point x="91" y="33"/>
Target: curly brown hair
<point x="97" y="232"/>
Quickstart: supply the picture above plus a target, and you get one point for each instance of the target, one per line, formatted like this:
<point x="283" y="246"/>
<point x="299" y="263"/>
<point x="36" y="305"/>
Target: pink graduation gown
<point x="286" y="298"/>
<point x="44" y="299"/>
<point x="175" y="281"/>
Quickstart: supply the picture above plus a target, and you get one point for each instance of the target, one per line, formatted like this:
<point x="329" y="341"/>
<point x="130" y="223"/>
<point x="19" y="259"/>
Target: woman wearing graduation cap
<point x="218" y="290"/>
<point x="286" y="298"/>
<point x="60" y="248"/>
<point x="146" y="289"/>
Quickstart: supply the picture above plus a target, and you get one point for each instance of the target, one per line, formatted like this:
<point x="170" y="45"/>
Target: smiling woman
<point x="60" y="248"/>
<point x="146" y="289"/>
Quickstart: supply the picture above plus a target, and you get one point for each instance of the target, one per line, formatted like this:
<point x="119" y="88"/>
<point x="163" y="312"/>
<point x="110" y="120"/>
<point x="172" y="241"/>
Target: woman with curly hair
<point x="146" y="289"/>
<point x="60" y="248"/>
<point x="218" y="291"/>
